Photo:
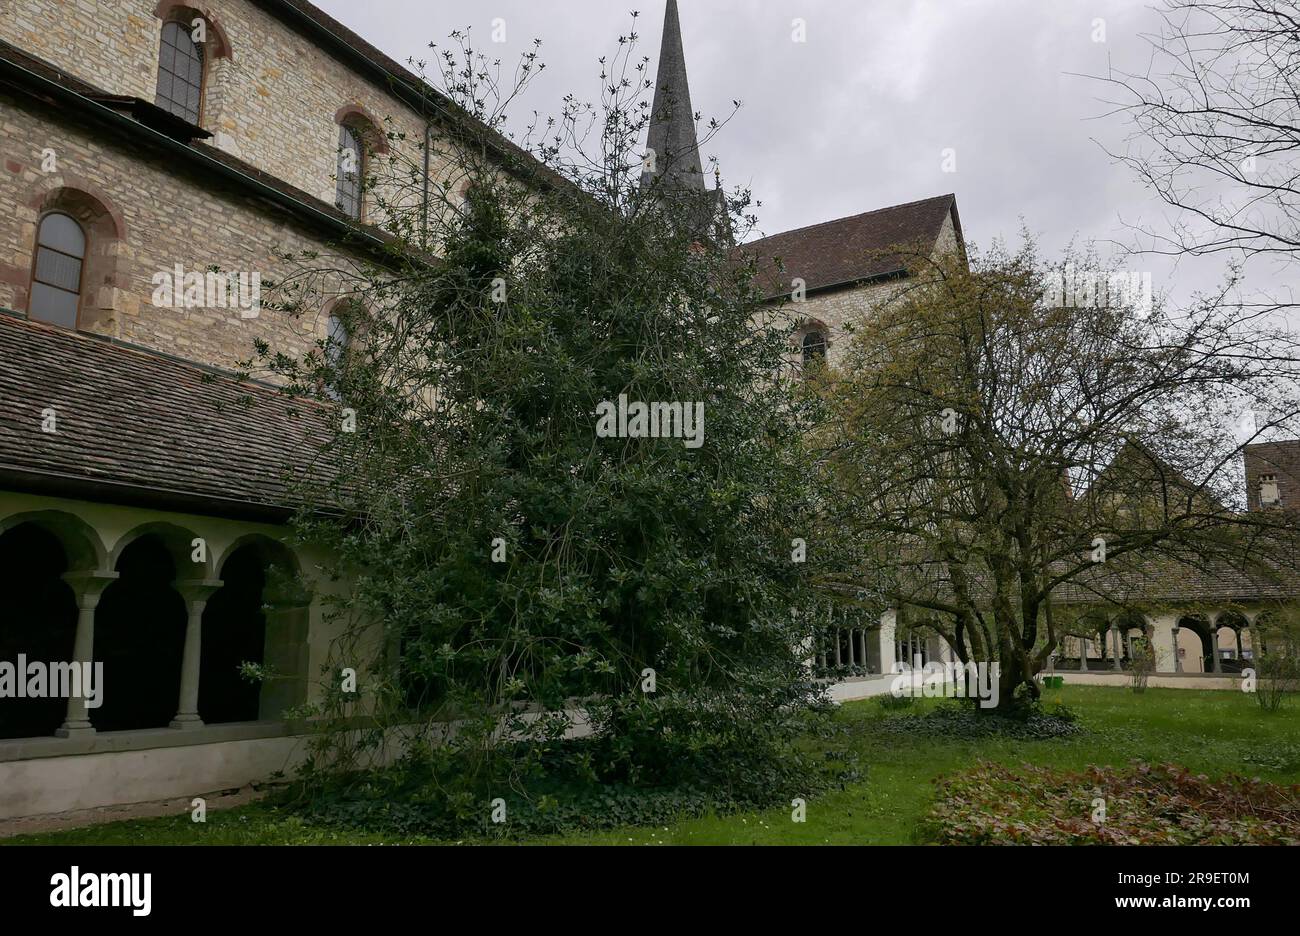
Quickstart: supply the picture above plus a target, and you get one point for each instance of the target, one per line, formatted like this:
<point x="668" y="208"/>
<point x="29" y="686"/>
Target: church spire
<point x="672" y="123"/>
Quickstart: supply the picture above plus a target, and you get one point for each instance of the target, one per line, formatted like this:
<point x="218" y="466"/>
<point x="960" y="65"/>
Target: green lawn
<point x="1210" y="732"/>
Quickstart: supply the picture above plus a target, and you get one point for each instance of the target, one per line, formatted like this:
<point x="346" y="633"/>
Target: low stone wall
<point x="851" y="690"/>
<point x="1156" y="681"/>
<point x="83" y="781"/>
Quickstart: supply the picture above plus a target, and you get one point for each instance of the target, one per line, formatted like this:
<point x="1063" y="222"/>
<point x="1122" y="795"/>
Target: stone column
<point x="1214" y="643"/>
<point x="1178" y="657"/>
<point x="196" y="595"/>
<point x="1117" y="649"/>
<point x="1164" y="638"/>
<point x="1083" y="654"/>
<point x="1128" y="643"/>
<point x="87" y="587"/>
<point x="888" y="627"/>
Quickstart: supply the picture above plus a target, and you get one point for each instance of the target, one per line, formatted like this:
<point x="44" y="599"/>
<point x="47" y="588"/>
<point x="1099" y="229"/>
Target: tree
<point x="1002" y="450"/>
<point x="568" y="481"/>
<point x="1216" y="120"/>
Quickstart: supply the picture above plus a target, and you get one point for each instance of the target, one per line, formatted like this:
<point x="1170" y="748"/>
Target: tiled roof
<point x="1166" y="581"/>
<point x="850" y="250"/>
<point x="134" y="426"/>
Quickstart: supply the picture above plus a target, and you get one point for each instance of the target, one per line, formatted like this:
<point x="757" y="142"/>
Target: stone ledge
<point x="19" y="749"/>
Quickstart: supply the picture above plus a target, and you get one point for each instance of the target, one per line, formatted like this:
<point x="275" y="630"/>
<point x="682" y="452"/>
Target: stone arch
<point x="140" y="627"/>
<point x="812" y="337"/>
<point x="260" y="615"/>
<point x="218" y="41"/>
<point x="371" y="128"/>
<point x="1134" y="632"/>
<point x="81" y="542"/>
<point x="38" y="620"/>
<point x="1199" y="624"/>
<point x="105" y="230"/>
<point x="179" y="543"/>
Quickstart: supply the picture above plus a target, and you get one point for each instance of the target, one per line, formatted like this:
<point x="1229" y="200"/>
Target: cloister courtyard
<point x="894" y="800"/>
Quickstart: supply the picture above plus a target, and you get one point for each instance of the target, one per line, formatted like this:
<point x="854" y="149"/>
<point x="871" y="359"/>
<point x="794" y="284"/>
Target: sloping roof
<point x="850" y="250"/>
<point x="138" y="427"/>
<point x="1166" y="581"/>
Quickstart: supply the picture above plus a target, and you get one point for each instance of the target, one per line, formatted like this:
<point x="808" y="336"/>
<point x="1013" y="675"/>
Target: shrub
<point x="1142" y="665"/>
<point x="1277" y="676"/>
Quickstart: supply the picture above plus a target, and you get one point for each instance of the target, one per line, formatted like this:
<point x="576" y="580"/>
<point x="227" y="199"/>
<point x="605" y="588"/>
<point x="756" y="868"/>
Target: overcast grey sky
<point x="858" y="116"/>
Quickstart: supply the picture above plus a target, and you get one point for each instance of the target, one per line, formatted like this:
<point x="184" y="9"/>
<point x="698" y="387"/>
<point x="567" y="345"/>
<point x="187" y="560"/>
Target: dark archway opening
<point x="38" y="619"/>
<point x="140" y="637"/>
<point x="234" y="632"/>
<point x="1201" y="628"/>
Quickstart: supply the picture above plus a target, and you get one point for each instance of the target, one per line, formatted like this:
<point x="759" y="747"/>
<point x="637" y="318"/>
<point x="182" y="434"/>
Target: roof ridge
<point x="950" y="195"/>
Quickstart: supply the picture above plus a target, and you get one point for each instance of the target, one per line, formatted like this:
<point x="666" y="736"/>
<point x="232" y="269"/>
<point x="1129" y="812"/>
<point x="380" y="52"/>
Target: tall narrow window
<point x="336" y="349"/>
<point x="180" y="73"/>
<point x="351" y="165"/>
<point x="814" y="347"/>
<point x="56" y="276"/>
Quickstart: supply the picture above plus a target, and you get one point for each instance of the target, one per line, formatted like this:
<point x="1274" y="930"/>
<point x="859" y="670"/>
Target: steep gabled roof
<point x="141" y="428"/>
<point x="851" y="250"/>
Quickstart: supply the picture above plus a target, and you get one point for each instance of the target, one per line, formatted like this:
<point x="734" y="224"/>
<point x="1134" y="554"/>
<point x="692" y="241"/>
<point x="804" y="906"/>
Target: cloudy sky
<point x="859" y="115"/>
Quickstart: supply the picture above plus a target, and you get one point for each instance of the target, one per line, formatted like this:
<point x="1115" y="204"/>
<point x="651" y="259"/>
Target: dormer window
<point x="1268" y="492"/>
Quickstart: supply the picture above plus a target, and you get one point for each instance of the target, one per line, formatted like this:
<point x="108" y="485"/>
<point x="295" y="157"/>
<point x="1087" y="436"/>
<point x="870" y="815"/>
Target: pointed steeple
<point x="672" y="124"/>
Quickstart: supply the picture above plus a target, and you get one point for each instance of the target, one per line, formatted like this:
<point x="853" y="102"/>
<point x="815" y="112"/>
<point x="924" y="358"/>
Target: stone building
<point x="158" y="160"/>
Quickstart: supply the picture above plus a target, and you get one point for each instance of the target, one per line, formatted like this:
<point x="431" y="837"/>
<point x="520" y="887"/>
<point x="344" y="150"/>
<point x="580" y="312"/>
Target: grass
<point x="1215" y="733"/>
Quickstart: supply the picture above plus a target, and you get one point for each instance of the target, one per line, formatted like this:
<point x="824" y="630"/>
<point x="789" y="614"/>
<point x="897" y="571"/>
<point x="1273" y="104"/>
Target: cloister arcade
<point x="171" y="606"/>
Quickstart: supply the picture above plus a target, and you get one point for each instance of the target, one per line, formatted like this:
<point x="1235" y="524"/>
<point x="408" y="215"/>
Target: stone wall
<point x="144" y="215"/>
<point x="272" y="96"/>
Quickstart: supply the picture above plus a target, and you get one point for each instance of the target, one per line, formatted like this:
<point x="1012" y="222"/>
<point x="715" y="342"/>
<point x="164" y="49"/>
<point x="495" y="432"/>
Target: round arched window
<point x="814" y="346"/>
<point x="180" y="73"/>
<point x="56" y="275"/>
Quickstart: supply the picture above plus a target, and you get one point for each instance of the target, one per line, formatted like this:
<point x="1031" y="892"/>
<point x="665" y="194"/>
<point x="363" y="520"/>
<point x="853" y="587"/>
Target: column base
<point x="79" y="729"/>
<point x="186" y="721"/>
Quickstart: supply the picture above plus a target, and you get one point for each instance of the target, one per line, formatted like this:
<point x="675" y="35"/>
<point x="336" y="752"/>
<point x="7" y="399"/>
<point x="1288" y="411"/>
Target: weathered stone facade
<point x="272" y="98"/>
<point x="272" y="95"/>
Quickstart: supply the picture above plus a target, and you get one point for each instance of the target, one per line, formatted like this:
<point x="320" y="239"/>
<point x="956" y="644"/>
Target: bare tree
<point x="1216" y="129"/>
<point x="999" y="453"/>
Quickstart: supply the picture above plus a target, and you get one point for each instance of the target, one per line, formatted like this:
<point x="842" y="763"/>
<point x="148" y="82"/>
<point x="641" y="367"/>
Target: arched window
<point x="56" y="274"/>
<point x="351" y="168"/>
<point x="814" y="346"/>
<point x="336" y="344"/>
<point x="180" y="73"/>
<point x="336" y="349"/>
